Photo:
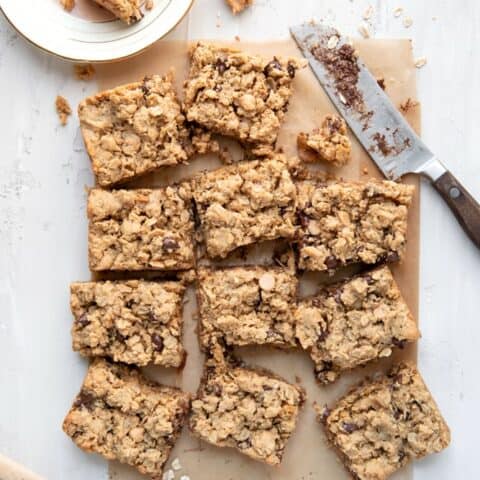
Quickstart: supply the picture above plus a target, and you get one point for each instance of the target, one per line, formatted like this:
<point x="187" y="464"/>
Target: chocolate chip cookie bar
<point x="351" y="222"/>
<point x="329" y="143"/>
<point x="134" y="321"/>
<point x="381" y="425"/>
<point x="128" y="11"/>
<point x="140" y="229"/>
<point x="238" y="95"/>
<point x="123" y="416"/>
<point x="246" y="306"/>
<point x="253" y="412"/>
<point x="354" y="322"/>
<point x="245" y="203"/>
<point x="133" y="129"/>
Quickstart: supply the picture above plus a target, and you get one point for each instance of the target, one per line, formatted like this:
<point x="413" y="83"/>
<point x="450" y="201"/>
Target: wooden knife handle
<point x="462" y="204"/>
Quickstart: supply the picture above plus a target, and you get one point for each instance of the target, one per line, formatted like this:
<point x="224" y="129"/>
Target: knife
<point x="379" y="126"/>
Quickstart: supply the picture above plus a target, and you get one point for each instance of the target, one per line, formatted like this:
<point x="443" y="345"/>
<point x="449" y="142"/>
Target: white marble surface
<point x="43" y="171"/>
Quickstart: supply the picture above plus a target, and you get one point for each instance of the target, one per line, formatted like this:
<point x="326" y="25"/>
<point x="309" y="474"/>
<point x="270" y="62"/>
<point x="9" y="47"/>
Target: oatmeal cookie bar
<point x="238" y="95"/>
<point x="133" y="129"/>
<point x="140" y="229"/>
<point x="123" y="416"/>
<point x="245" y="203"/>
<point x="247" y="306"/>
<point x="252" y="411"/>
<point x="329" y="143"/>
<point x="381" y="425"/>
<point x="128" y="11"/>
<point x="352" y="222"/>
<point x="354" y="322"/>
<point x="134" y="321"/>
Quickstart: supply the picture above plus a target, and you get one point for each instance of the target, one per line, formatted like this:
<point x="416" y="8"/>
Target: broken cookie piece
<point x="252" y="411"/>
<point x="129" y="11"/>
<point x="123" y="416"/>
<point x="63" y="109"/>
<point x="239" y="95"/>
<point x="383" y="424"/>
<point x="133" y="129"/>
<point x="351" y="222"/>
<point x="238" y="6"/>
<point x="354" y="322"/>
<point x="246" y="306"/>
<point x="328" y="143"/>
<point x="133" y="321"/>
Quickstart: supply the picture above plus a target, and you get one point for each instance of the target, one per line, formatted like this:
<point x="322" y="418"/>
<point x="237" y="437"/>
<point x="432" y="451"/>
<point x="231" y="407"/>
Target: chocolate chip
<point x="399" y="343"/>
<point x="401" y="456"/>
<point x="291" y="70"/>
<point x="221" y="66"/>
<point x="327" y="366"/>
<point x="331" y="262"/>
<point x="115" y="334"/>
<point x="129" y="303"/>
<point x="84" y="399"/>
<point x="246" y="444"/>
<point x="323" y="335"/>
<point x="369" y="279"/>
<point x="83" y="320"/>
<point x="303" y="219"/>
<point x="170" y="244"/>
<point x="157" y="341"/>
<point x="397" y="413"/>
<point x="273" y="64"/>
<point x="325" y="413"/>
<point x="392" y="257"/>
<point x="349" y="427"/>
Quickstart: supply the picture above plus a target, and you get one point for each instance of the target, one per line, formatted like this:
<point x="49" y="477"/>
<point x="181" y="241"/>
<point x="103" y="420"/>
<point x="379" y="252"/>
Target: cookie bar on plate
<point x="239" y="95"/>
<point x="352" y="222"/>
<point x="252" y="411"/>
<point x="129" y="11"/>
<point x="140" y="229"/>
<point x="247" y="306"/>
<point x="134" y="321"/>
<point x="245" y="203"/>
<point x="133" y="129"/>
<point x="123" y="416"/>
<point x="354" y="322"/>
<point x="383" y="424"/>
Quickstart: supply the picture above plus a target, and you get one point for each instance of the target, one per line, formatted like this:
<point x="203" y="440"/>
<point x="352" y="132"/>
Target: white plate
<point x="97" y="39"/>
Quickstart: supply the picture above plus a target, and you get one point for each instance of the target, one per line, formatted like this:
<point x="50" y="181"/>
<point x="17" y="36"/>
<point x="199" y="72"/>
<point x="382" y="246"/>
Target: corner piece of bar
<point x="354" y="322"/>
<point x="123" y="416"/>
<point x="383" y="424"/>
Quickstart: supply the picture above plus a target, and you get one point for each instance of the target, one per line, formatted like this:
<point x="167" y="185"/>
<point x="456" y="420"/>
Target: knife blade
<point x="382" y="130"/>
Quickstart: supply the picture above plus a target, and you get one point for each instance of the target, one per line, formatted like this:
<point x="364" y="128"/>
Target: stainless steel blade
<point x="378" y="125"/>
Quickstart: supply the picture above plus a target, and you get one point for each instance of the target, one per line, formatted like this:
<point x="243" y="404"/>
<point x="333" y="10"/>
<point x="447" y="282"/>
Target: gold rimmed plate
<point x="88" y="33"/>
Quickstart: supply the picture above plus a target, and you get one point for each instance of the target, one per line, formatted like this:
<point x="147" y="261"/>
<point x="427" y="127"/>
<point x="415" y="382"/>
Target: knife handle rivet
<point x="454" y="192"/>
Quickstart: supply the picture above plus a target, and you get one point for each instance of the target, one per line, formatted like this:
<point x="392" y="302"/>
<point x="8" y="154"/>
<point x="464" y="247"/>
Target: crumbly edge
<point x="130" y="13"/>
<point x="79" y="311"/>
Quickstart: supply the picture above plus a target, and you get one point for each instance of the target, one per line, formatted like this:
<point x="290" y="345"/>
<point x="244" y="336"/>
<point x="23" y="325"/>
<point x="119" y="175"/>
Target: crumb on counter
<point x="84" y="71"/>
<point x="63" y="109"/>
<point x="407" y="22"/>
<point x="420" y="62"/>
<point x="149" y="4"/>
<point x="68" y="5"/>
<point x="397" y="12"/>
<point x="238" y="6"/>
<point x="364" y="31"/>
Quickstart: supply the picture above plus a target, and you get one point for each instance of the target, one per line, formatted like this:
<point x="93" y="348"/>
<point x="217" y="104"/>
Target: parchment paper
<point x="307" y="455"/>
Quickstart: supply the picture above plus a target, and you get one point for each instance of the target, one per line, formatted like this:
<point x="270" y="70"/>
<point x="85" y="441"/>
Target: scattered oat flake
<point x="168" y="475"/>
<point x="407" y="22"/>
<point x="237" y="38"/>
<point x="176" y="465"/>
<point x="367" y="14"/>
<point x="84" y="71"/>
<point x="398" y="11"/>
<point x="63" y="109"/>
<point x="364" y="32"/>
<point x="149" y="4"/>
<point x="332" y="42"/>
<point x="68" y="5"/>
<point x="421" y="62"/>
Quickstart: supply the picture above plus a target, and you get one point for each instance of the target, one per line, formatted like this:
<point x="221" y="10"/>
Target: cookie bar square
<point x="128" y="11"/>
<point x="239" y="95"/>
<point x="354" y="322"/>
<point x="247" y="306"/>
<point x="245" y="203"/>
<point x="253" y="412"/>
<point x="123" y="416"/>
<point x="382" y="425"/>
<point x="352" y="222"/>
<point x="133" y="129"/>
<point x="140" y="229"/>
<point x="135" y="321"/>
